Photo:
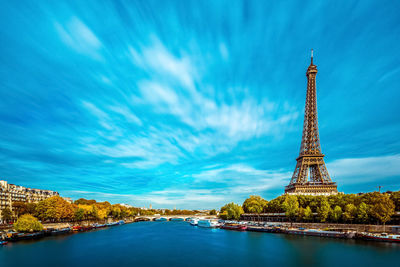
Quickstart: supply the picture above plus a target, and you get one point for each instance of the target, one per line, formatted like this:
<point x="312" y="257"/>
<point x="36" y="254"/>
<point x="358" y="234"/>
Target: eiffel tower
<point x="310" y="176"/>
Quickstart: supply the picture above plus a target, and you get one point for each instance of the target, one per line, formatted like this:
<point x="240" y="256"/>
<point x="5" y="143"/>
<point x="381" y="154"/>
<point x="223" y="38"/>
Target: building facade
<point x="10" y="193"/>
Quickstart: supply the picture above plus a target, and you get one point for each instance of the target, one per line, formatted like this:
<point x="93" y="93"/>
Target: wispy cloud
<point x="182" y="106"/>
<point x="244" y="118"/>
<point x="79" y="37"/>
<point x="363" y="170"/>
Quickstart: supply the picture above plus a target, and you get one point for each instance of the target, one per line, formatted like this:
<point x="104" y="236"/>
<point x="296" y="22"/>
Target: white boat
<point x="194" y="221"/>
<point x="208" y="223"/>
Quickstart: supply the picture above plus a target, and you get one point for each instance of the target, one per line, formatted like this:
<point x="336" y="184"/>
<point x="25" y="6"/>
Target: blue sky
<point x="195" y="103"/>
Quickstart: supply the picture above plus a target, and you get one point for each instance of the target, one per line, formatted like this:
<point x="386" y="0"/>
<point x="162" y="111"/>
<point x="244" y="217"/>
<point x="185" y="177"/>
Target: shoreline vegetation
<point x="367" y="208"/>
<point x="28" y="217"/>
<point x="341" y="211"/>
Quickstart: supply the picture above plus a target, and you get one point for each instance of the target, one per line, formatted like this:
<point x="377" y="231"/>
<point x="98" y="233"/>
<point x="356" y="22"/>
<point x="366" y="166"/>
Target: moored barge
<point x="320" y="233"/>
<point x="234" y="226"/>
<point x="383" y="237"/>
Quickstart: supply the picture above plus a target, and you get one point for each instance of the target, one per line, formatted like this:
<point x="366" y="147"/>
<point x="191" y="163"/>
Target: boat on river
<point x="265" y="229"/>
<point x="79" y="228"/>
<point x="14" y="236"/>
<point x="383" y="237"/>
<point x="208" y="223"/>
<point x="113" y="224"/>
<point x="60" y="231"/>
<point x="96" y="225"/>
<point x="161" y="219"/>
<point x="194" y="221"/>
<point x="320" y="233"/>
<point x="234" y="226"/>
<point x="2" y="243"/>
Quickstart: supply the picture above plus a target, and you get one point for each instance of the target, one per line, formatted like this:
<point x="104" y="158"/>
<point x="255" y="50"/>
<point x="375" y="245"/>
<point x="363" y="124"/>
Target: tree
<point x="30" y="208"/>
<point x="6" y="214"/>
<point x="115" y="211"/>
<point x="350" y="212"/>
<point x="213" y="212"/>
<point x="307" y="215"/>
<point x="275" y="205"/>
<point x="383" y="208"/>
<point x="83" y="201"/>
<point x="336" y="213"/>
<point x="223" y="215"/>
<point x="323" y="210"/>
<point x="27" y="223"/>
<point x="55" y="209"/>
<point x="395" y="197"/>
<point x="362" y="213"/>
<point x="102" y="213"/>
<point x="232" y="211"/>
<point x="79" y="214"/>
<point x="291" y="207"/>
<point x="19" y="208"/>
<point x="254" y="204"/>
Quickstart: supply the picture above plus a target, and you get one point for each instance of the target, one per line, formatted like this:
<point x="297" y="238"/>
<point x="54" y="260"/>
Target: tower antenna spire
<point x="312" y="55"/>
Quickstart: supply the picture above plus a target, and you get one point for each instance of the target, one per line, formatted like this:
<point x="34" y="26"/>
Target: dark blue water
<point x="179" y="244"/>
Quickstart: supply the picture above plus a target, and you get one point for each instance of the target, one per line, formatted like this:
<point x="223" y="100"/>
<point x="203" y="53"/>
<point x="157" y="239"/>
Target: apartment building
<point x="10" y="193"/>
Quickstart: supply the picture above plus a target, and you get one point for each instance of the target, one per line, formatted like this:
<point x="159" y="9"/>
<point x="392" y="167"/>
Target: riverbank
<point x="308" y="230"/>
<point x="344" y="227"/>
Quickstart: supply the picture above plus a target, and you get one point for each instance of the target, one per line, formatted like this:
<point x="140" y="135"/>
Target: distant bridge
<point x="169" y="217"/>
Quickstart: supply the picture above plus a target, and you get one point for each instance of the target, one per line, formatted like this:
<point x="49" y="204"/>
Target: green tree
<point x="275" y="205"/>
<point x="232" y="211"/>
<point x="27" y="223"/>
<point x="79" y="214"/>
<point x="323" y="210"/>
<point x="336" y="213"/>
<point x="350" y="212"/>
<point x="362" y="213"/>
<point x="307" y="215"/>
<point x="6" y="214"/>
<point x="213" y="212"/>
<point x="291" y="207"/>
<point x="382" y="208"/>
<point x="395" y="197"/>
<point x="254" y="204"/>
<point x="83" y="201"/>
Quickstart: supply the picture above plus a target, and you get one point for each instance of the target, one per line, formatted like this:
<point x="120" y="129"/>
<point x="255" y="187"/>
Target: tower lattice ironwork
<point x="310" y="175"/>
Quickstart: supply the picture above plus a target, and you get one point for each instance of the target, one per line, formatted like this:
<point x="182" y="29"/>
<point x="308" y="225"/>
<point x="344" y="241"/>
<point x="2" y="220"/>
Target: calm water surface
<point x="179" y="244"/>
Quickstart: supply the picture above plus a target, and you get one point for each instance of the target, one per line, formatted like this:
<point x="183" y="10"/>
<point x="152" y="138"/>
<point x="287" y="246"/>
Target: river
<point x="179" y="244"/>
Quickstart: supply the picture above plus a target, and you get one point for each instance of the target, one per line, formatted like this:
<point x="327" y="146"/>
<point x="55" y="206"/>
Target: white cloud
<point x="160" y="59"/>
<point x="243" y="174"/>
<point x="158" y="93"/>
<point x="214" y="125"/>
<point x="79" y="37"/>
<point x="160" y="199"/>
<point x="362" y="170"/>
<point x="240" y="120"/>
<point x="151" y="150"/>
<point x="240" y="181"/>
<point x="127" y="114"/>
